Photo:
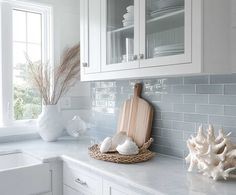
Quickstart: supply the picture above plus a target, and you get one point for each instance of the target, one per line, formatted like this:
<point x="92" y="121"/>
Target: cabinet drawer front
<point x="70" y="191"/>
<point x="81" y="180"/>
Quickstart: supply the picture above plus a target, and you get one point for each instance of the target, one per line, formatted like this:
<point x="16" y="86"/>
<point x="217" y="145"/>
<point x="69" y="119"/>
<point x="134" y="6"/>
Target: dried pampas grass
<point x="53" y="83"/>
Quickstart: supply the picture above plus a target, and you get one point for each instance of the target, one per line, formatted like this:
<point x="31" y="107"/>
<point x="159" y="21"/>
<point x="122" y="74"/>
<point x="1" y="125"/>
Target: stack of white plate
<point x="128" y="16"/>
<point x="167" y="50"/>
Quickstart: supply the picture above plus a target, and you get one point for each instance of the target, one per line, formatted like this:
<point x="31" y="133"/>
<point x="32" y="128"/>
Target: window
<point x="26" y="31"/>
<point x="27" y="40"/>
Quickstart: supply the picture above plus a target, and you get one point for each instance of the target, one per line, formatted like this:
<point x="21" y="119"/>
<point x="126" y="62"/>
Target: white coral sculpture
<point x="213" y="156"/>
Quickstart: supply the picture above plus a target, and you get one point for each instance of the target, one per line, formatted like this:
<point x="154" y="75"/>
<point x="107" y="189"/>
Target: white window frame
<point x="6" y="57"/>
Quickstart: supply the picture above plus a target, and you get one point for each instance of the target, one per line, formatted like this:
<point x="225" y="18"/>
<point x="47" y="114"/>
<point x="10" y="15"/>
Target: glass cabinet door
<point x="119" y="34"/>
<point x="166" y="33"/>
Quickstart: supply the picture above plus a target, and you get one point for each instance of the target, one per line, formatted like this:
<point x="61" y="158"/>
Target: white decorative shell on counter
<point x="106" y="145"/>
<point x="110" y="144"/>
<point x="128" y="148"/>
<point x="118" y="139"/>
<point x="213" y="156"/>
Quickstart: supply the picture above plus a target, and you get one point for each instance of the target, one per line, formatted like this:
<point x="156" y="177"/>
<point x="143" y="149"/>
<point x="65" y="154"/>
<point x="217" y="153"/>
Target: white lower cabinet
<point x="81" y="181"/>
<point x="77" y="180"/>
<point x="110" y="188"/>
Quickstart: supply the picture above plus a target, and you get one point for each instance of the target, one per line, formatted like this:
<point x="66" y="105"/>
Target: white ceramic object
<point x="76" y="127"/>
<point x="130" y="9"/>
<point x="50" y="126"/>
<point x="118" y="139"/>
<point x="128" y="148"/>
<point x="106" y="145"/>
<point x="213" y="156"/>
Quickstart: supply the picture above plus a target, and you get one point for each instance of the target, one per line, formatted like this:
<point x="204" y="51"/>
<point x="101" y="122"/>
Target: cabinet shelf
<point x="166" y="16"/>
<point x="172" y="16"/>
<point x="126" y="29"/>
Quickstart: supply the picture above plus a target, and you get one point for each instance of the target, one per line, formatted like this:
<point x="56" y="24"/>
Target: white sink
<point x="16" y="160"/>
<point x="22" y="174"/>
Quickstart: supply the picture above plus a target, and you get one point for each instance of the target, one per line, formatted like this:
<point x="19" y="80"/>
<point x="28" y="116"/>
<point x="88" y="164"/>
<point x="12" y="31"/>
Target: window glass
<point x="19" y="26"/>
<point x="27" y="41"/>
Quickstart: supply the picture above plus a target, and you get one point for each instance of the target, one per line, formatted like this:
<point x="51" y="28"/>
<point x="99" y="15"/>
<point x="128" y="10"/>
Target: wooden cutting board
<point x="136" y="117"/>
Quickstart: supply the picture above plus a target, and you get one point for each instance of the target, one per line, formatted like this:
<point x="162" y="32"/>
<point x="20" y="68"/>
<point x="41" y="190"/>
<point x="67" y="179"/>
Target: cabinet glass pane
<point x="120" y="31"/>
<point x="164" y="28"/>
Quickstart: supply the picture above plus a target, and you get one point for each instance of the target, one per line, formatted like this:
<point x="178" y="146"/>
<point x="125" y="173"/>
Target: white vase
<point x="50" y="126"/>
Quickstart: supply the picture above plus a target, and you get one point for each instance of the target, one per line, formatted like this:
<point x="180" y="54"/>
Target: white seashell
<point x="213" y="156"/>
<point x="119" y="139"/>
<point x="106" y="145"/>
<point x="128" y="148"/>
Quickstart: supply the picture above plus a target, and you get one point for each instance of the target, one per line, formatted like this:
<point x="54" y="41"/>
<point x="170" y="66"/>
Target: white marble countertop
<point x="161" y="175"/>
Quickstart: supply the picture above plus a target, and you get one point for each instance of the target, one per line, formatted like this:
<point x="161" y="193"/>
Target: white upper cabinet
<point x="149" y="38"/>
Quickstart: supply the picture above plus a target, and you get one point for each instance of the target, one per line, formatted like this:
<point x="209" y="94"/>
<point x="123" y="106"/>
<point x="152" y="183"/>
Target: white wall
<point x="233" y="34"/>
<point x="66" y="23"/>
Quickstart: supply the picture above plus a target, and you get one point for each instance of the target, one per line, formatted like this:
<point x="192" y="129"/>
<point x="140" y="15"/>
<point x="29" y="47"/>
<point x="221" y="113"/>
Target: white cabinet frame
<point x="90" y="36"/>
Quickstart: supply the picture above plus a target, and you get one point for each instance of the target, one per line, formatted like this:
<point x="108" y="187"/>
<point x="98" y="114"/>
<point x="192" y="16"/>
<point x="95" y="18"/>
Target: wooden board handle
<point x="137" y="90"/>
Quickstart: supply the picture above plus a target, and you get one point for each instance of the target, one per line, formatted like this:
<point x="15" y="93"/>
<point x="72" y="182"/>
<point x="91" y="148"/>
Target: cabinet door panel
<point x="165" y="32"/>
<point x="120" y="34"/>
<point x="69" y="191"/>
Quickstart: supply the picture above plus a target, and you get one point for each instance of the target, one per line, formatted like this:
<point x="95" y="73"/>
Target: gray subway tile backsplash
<point x="174" y="116"/>
<point x="217" y="120"/>
<point x="200" y="118"/>
<point x="168" y="151"/>
<point x="210" y="89"/>
<point x="171" y="98"/>
<point x="229" y="121"/>
<point x="222" y="99"/>
<point x="230" y="90"/>
<point x="222" y="79"/>
<point x="183" y="89"/>
<point x="189" y="108"/>
<point x="195" y="99"/>
<point x="181" y="104"/>
<point x="184" y="126"/>
<point x="172" y="134"/>
<point x="167" y="124"/>
<point x="163" y="107"/>
<point x="230" y="110"/>
<point x="196" y="80"/>
<point x="210" y="109"/>
<point x="174" y="81"/>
